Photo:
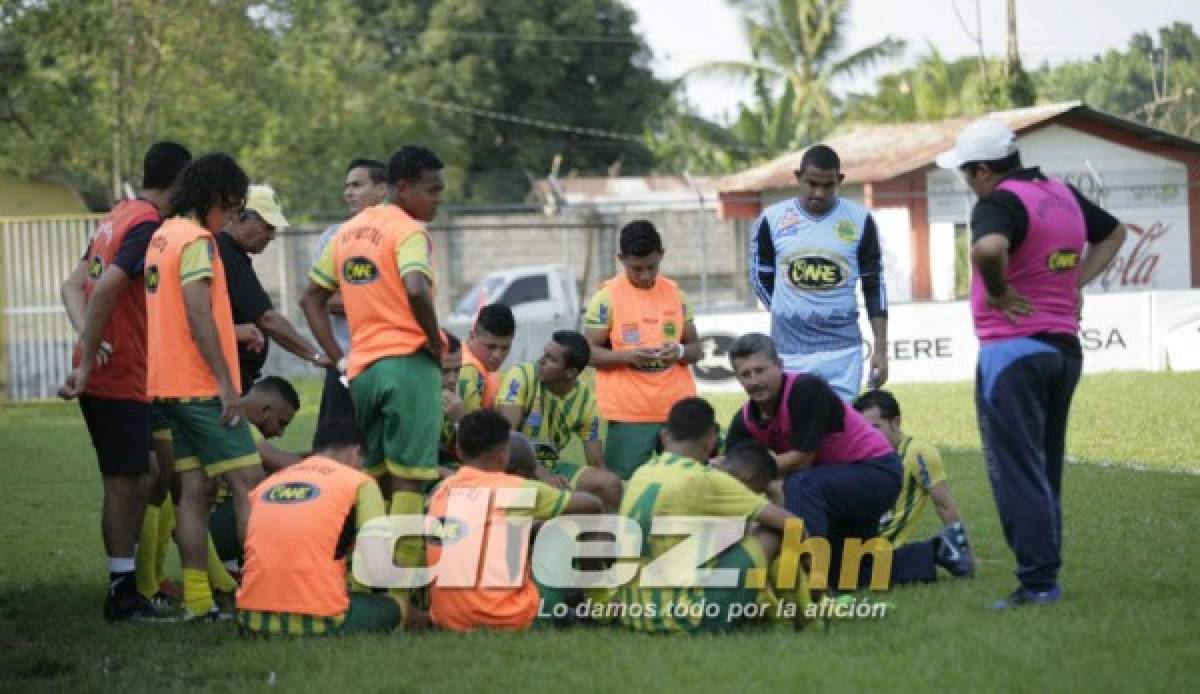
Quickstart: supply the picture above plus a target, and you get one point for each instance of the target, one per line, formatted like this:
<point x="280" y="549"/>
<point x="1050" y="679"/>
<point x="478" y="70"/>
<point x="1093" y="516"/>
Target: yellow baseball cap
<point x="262" y="199"/>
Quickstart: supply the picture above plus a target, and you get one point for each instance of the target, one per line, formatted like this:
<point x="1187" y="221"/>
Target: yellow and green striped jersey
<point x="922" y="470"/>
<point x="548" y="418"/>
<point x="672" y="485"/>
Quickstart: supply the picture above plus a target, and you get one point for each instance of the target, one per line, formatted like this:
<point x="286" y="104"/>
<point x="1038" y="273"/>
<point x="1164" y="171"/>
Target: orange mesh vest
<point x="176" y="368"/>
<point x="491" y="379"/>
<point x="377" y="308"/>
<point x="296" y="518"/>
<point x="643" y="318"/>
<point x="480" y="606"/>
<point x="124" y="376"/>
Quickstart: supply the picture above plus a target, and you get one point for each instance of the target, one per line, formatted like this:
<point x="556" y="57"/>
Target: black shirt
<point x="815" y="408"/>
<point x="248" y="300"/>
<point x="1001" y="212"/>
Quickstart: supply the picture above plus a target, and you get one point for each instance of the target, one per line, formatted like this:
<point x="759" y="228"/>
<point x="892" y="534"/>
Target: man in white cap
<point x="248" y="235"/>
<point x="1035" y="243"/>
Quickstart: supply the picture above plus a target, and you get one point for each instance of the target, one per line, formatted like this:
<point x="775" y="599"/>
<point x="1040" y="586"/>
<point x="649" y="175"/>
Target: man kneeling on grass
<point x="679" y="483"/>
<point x="301" y="524"/>
<point x="479" y="507"/>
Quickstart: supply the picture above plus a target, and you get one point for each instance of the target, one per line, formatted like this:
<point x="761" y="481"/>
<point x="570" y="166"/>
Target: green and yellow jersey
<point x="547" y="419"/>
<point x="672" y="485"/>
<point x="922" y="470"/>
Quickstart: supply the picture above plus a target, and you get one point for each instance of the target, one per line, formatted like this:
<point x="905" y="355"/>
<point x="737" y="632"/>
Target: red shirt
<point x="121" y="240"/>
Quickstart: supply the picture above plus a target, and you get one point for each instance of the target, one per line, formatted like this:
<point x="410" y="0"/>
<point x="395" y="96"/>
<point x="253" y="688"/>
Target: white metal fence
<point x="37" y="255"/>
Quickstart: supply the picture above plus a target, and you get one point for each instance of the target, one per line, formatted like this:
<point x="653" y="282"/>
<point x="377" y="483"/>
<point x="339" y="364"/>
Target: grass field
<point x="1128" y="621"/>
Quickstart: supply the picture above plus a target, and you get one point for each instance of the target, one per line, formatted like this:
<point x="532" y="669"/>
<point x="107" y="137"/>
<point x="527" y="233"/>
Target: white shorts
<point x="842" y="369"/>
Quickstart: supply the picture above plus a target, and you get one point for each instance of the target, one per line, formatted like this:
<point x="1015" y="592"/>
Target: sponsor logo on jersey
<point x="446" y="531"/>
<point x="816" y="272"/>
<point x="1063" y="260"/>
<point x="152" y="278"/>
<point x="845" y="231"/>
<point x="291" y="493"/>
<point x="359" y="270"/>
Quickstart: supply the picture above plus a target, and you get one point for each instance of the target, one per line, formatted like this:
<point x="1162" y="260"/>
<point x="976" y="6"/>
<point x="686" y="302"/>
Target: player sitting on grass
<point x="924" y="479"/>
<point x="677" y="483"/>
<point x="296" y="541"/>
<point x="546" y="401"/>
<point x="502" y="595"/>
<point x="488" y="346"/>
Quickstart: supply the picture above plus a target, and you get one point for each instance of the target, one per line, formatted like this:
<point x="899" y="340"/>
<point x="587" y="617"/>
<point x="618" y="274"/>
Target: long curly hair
<point x="211" y="181"/>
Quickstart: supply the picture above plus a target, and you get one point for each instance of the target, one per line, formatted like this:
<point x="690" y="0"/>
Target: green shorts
<point x="628" y="445"/>
<point x="199" y="438"/>
<point x="368" y="612"/>
<point x="699" y="610"/>
<point x="398" y="407"/>
<point x="547" y="455"/>
<point x="222" y="526"/>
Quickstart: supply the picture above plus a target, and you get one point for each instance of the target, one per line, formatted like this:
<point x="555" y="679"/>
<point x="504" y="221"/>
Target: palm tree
<point x="796" y="47"/>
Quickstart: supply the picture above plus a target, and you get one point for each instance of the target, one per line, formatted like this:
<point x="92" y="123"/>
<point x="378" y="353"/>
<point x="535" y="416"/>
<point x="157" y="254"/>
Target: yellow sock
<point x="218" y="575"/>
<point x="146" y="562"/>
<point x="410" y="551"/>
<point x="166" y="529"/>
<point x="197" y="596"/>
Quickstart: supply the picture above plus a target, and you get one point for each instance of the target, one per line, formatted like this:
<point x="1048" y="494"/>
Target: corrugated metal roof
<point x="872" y="153"/>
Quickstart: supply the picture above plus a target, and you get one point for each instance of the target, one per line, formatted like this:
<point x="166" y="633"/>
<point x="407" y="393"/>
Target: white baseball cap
<point x="261" y="199"/>
<point x="983" y="140"/>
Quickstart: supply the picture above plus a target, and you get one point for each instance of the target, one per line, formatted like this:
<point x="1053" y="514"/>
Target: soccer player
<point x="381" y="261"/>
<point x="679" y="483"/>
<point x="806" y="256"/>
<point x="501" y="595"/>
<point x="193" y="369"/>
<point x="643" y="340"/>
<point x="488" y="346"/>
<point x="366" y="185"/>
<point x="839" y="474"/>
<point x="924" y="479"/>
<point x="249" y="234"/>
<point x="546" y="401"/>
<point x="105" y="298"/>
<point x="294" y="582"/>
<point x="1036" y="242"/>
<point x="452" y="405"/>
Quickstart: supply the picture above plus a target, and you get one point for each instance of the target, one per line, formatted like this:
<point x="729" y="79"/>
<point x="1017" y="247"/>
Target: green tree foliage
<point x="1157" y="84"/>
<point x="75" y="70"/>
<point x="295" y="88"/>
<point x="797" y="48"/>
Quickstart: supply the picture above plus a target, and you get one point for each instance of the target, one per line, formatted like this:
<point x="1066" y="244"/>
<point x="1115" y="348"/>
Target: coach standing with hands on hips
<point x="1035" y="243"/>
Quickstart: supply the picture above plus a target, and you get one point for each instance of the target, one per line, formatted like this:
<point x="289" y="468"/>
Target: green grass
<point x="1128" y="621"/>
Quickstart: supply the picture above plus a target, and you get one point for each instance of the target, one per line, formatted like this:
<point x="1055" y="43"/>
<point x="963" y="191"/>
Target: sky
<point x="685" y="33"/>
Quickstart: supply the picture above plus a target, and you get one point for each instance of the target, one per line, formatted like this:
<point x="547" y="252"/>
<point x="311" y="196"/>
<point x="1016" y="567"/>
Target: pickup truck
<point x="543" y="298"/>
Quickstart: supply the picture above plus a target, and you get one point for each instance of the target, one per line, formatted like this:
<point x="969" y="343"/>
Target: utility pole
<point x="1014" y="56"/>
<point x="117" y="54"/>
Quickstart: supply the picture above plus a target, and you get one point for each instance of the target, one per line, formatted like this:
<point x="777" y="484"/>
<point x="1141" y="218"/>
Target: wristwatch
<point x="316" y="358"/>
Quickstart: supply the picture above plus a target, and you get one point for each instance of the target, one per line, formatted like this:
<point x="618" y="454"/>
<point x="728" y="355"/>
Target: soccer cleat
<point x="226" y="602"/>
<point x="952" y="552"/>
<point x="1023" y="596"/>
<point x="163" y="601"/>
<point x="213" y="615"/>
<point x="126" y="606"/>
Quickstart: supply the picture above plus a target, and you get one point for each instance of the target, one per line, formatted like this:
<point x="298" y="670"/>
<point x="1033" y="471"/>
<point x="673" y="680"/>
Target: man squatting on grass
<point x="839" y="474"/>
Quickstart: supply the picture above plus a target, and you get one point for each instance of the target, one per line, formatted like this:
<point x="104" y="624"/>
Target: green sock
<point x="197" y="596"/>
<point x="146" y="562"/>
<point x="410" y="551"/>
